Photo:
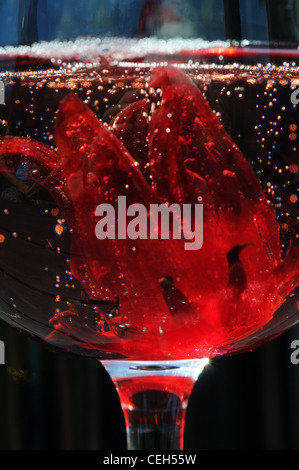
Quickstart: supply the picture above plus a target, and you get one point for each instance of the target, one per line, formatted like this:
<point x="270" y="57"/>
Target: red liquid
<point x="150" y="133"/>
<point x="155" y="403"/>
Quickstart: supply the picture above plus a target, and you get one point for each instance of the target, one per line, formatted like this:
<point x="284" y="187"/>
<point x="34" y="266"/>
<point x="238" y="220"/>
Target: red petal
<point x="167" y="150"/>
<point x="130" y="126"/>
<point x="14" y="150"/>
<point x="75" y="128"/>
<point x="108" y="173"/>
<point x="17" y="150"/>
<point x="232" y="189"/>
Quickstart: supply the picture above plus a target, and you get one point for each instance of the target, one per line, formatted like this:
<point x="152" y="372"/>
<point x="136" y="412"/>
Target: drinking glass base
<point x="154" y="396"/>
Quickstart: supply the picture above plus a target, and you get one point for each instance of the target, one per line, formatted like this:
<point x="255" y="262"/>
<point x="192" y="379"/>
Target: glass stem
<point x="154" y="397"/>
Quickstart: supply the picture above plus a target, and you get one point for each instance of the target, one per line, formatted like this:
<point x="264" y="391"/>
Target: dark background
<point x="26" y="21"/>
<point x="52" y="401"/>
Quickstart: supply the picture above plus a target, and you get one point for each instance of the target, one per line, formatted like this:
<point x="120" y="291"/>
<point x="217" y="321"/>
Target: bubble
<point x="58" y="229"/>
<point x="92" y="179"/>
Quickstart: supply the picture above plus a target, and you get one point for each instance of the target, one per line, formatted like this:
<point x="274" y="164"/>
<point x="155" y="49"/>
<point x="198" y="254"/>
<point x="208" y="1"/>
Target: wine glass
<point x="149" y="205"/>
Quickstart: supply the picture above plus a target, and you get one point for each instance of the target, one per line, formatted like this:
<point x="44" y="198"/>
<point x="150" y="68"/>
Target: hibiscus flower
<point x="163" y="301"/>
